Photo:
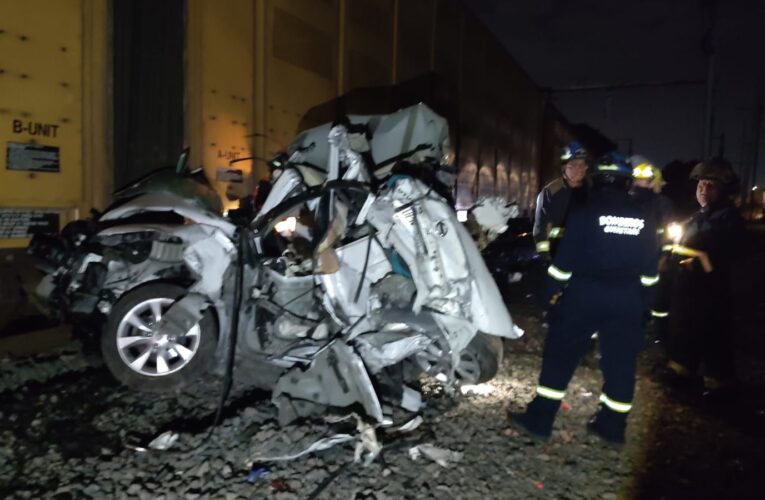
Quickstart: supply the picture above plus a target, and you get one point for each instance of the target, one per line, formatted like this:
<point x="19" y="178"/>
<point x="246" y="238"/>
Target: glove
<point x="552" y="291"/>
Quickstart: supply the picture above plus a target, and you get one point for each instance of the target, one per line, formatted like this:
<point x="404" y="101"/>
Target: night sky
<point x="570" y="43"/>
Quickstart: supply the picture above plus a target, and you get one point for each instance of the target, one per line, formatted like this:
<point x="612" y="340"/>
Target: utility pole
<point x="756" y="132"/>
<point x="708" y="46"/>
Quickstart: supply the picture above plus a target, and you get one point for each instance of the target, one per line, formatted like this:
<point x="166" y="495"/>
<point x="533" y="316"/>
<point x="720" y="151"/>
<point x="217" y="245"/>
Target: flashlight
<point x="675" y="232"/>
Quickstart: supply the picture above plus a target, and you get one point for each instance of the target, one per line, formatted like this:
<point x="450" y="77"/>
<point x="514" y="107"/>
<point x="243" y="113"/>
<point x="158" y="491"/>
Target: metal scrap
<point x="297" y="451"/>
<point x="377" y="353"/>
<point x="336" y="377"/>
<point x="183" y="315"/>
<point x="441" y="456"/>
<point x="164" y="441"/>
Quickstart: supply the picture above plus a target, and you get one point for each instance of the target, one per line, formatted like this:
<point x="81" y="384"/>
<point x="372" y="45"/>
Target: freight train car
<point x="94" y="94"/>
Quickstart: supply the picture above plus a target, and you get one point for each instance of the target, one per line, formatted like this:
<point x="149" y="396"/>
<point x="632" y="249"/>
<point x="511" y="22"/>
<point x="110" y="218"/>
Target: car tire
<point x="480" y="360"/>
<point x="149" y="361"/>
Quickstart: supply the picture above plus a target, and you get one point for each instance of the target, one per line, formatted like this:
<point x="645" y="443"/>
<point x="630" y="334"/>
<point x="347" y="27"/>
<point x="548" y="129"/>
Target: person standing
<point x="601" y="281"/>
<point x="700" y="315"/>
<point x="648" y="183"/>
<point x="555" y="199"/>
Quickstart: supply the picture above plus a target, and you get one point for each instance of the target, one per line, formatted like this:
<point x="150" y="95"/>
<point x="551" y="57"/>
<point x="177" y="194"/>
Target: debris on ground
<point x="441" y="456"/>
<point x="164" y="441"/>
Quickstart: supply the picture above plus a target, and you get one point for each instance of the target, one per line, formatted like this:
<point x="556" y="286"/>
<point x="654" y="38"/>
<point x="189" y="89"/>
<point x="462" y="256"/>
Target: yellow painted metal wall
<point x="301" y="64"/>
<point x="219" y="83"/>
<point x="54" y="92"/>
<point x="253" y="70"/>
<point x="41" y="101"/>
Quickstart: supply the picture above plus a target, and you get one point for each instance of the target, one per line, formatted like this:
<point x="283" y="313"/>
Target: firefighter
<point x="700" y="314"/>
<point x="647" y="186"/>
<point x="599" y="281"/>
<point x="554" y="200"/>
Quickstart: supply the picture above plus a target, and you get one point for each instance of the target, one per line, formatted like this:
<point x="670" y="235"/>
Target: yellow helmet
<point x="642" y="168"/>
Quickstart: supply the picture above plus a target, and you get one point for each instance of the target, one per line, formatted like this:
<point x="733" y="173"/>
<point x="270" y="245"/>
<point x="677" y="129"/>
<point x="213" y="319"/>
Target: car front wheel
<point x="143" y="357"/>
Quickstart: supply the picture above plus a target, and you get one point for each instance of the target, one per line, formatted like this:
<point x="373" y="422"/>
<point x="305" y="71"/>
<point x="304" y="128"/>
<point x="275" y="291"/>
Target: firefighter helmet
<point x="573" y="151"/>
<point x="614" y="164"/>
<point x="644" y="169"/>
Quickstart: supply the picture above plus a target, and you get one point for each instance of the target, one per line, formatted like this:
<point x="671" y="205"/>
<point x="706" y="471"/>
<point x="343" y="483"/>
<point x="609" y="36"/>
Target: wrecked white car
<point x="353" y="281"/>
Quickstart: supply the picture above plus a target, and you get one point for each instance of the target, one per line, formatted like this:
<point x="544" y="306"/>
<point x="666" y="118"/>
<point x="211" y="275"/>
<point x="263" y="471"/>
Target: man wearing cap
<point x="700" y="314"/>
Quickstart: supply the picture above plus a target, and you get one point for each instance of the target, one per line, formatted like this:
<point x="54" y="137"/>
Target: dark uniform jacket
<point x="701" y="316"/>
<point x="610" y="251"/>
<point x="718" y="231"/>
<point x="553" y="204"/>
<point x="657" y="204"/>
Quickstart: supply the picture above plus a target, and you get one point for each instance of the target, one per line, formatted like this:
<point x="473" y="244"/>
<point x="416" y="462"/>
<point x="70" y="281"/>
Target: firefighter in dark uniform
<point x="554" y="200"/>
<point x="600" y="280"/>
<point x="646" y="189"/>
<point x="700" y="314"/>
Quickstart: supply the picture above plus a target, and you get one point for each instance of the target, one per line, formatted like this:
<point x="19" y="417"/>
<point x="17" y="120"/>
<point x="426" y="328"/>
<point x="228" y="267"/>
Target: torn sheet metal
<point x="208" y="259"/>
<point x="361" y="218"/>
<point x="410" y="425"/>
<point x="289" y="183"/>
<point x="489" y="312"/>
<point x="206" y="250"/>
<point x="164" y="441"/>
<point x="381" y="349"/>
<point x="298" y="314"/>
<point x="492" y="214"/>
<point x="346" y="149"/>
<point x="458" y="333"/>
<point x="403" y="131"/>
<point x="284" y="451"/>
<point x="291" y="409"/>
<point x="183" y="315"/>
<point x="167" y="202"/>
<point x="419" y="227"/>
<point x="341" y="286"/>
<point x="368" y="446"/>
<point x="411" y="399"/>
<point x="393" y="135"/>
<point x="336" y="377"/>
<point x="441" y="456"/>
<point x="392" y="293"/>
<point x="449" y="272"/>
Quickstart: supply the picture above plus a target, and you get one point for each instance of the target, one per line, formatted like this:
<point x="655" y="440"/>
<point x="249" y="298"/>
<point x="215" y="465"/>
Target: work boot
<point x="537" y="420"/>
<point x="609" y="426"/>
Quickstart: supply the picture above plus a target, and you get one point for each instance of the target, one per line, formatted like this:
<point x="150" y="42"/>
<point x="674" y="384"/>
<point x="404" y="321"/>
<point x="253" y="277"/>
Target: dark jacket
<point x="717" y="230"/>
<point x="658" y="207"/>
<point x="553" y="204"/>
<point x="611" y="243"/>
<point x="657" y="204"/>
